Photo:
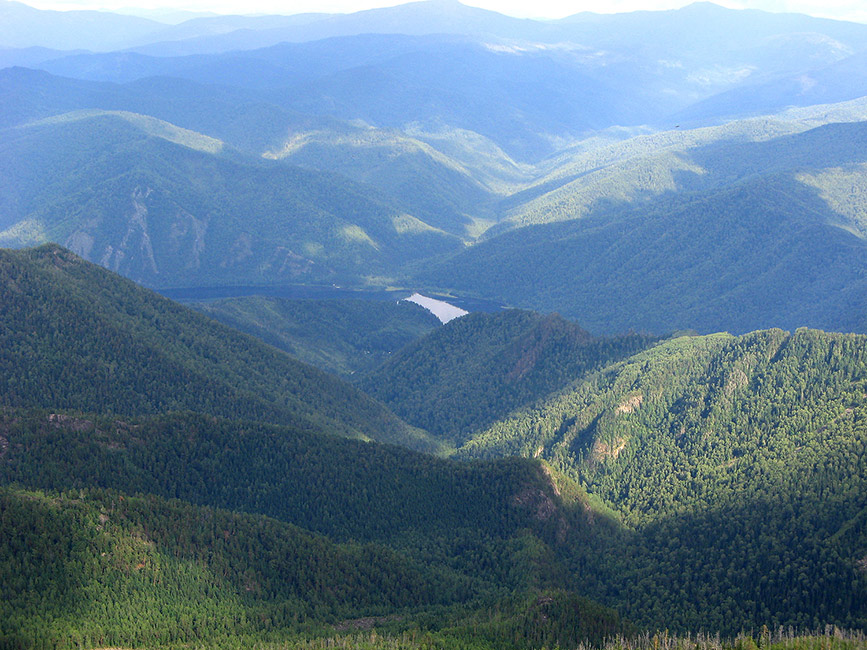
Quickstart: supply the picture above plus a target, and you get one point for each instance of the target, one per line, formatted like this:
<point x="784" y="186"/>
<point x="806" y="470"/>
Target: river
<point x="312" y="292"/>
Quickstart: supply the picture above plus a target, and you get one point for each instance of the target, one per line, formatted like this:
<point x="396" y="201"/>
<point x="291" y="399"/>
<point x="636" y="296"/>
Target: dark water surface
<point x="311" y="292"/>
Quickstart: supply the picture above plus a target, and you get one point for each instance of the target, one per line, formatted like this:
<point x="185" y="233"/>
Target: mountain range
<point x="432" y="146"/>
<point x="646" y="434"/>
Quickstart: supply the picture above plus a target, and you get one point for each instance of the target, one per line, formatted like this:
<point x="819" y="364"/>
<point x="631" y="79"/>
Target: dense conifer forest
<point x="349" y="338"/>
<point x="480" y="367"/>
<point x="691" y="483"/>
<point x="76" y="337"/>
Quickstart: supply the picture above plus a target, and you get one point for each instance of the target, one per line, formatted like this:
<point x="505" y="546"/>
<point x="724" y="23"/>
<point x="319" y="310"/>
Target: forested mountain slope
<point x="169" y="482"/>
<point x="96" y="567"/>
<point x="82" y="564"/>
<point x="346" y="337"/>
<point x="747" y="450"/>
<point x="418" y="532"/>
<point x="644" y="168"/>
<point x="476" y="368"/>
<point x="768" y="251"/>
<point x="438" y="189"/>
<point x="75" y="336"/>
<point x="346" y="489"/>
<point x="449" y="190"/>
<point x="435" y="183"/>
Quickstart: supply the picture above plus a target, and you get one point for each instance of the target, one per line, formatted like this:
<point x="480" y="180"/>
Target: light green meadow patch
<point x="354" y="233"/>
<point x="30" y="232"/>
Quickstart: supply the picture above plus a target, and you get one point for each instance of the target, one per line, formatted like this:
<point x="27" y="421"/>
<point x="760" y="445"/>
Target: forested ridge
<point x="117" y="463"/>
<point x="752" y="255"/>
<point x="177" y="181"/>
<point x="347" y="337"/>
<point x="92" y="567"/>
<point x="462" y="377"/>
<point x="77" y="337"/>
<point x="95" y="567"/>
<point x="170" y="207"/>
<point x="432" y="532"/>
<point x="375" y="492"/>
<point x="98" y="567"/>
<point x="737" y="463"/>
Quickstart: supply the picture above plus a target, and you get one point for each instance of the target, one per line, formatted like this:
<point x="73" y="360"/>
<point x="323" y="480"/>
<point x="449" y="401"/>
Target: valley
<point x="231" y="416"/>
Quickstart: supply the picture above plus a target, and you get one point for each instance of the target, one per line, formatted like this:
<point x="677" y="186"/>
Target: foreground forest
<point x="687" y="484"/>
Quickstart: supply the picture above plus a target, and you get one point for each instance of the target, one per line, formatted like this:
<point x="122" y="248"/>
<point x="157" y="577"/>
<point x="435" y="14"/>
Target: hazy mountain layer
<point x="439" y="190"/>
<point x="730" y="235"/>
<point x="835" y="81"/>
<point x="170" y="207"/>
<point x="630" y="69"/>
<point x="24" y="26"/>
<point x="595" y="180"/>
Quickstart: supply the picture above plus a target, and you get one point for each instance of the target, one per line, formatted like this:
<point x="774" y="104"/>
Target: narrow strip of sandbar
<point x="439" y="308"/>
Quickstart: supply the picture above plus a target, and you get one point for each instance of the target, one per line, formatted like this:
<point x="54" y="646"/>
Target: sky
<point x="854" y="10"/>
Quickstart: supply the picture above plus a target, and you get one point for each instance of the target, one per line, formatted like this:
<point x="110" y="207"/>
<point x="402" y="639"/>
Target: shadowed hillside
<point x="75" y="336"/>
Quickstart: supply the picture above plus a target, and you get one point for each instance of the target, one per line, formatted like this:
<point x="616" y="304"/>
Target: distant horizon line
<point x="155" y="11"/>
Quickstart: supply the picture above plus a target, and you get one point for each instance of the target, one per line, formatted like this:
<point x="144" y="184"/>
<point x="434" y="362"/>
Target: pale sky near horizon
<point x="854" y="10"/>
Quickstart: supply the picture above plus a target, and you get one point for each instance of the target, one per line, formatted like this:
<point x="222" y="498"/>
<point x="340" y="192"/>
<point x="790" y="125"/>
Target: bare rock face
<point x="187" y="238"/>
